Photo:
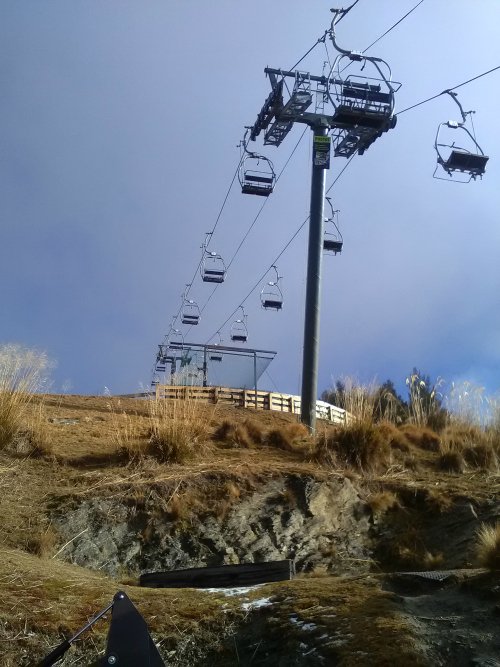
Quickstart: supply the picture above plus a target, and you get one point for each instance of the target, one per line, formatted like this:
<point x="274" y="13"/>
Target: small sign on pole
<point x="321" y="152"/>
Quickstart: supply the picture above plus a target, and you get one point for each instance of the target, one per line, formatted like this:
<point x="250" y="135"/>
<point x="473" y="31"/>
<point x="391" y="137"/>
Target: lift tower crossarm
<point x="313" y="77"/>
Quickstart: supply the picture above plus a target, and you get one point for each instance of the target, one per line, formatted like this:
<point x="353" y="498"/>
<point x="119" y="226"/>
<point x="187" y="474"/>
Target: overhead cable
<point x="395" y="25"/>
<point x="444" y="92"/>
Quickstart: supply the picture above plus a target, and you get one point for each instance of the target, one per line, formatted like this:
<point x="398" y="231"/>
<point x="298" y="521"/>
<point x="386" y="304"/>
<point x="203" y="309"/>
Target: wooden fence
<point x="247" y="398"/>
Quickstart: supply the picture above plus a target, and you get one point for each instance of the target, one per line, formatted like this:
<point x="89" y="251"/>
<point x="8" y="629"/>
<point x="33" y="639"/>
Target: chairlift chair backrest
<point x="363" y="103"/>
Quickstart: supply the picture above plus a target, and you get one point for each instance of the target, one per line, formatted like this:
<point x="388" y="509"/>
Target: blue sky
<point x="119" y="127"/>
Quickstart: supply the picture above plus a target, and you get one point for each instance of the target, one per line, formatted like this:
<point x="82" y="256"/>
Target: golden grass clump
<point x="481" y="456"/>
<point x="128" y="433"/>
<point x="396" y="438"/>
<point x="255" y="432"/>
<point x="360" y="445"/>
<point x="22" y="374"/>
<point x="383" y="501"/>
<point x="43" y="544"/>
<point x="358" y="399"/>
<point x="233" y="433"/>
<point x="291" y="437"/>
<point x="488" y="546"/>
<point x="452" y="462"/>
<point x="475" y="445"/>
<point x="178" y="429"/>
<point x="422" y="437"/>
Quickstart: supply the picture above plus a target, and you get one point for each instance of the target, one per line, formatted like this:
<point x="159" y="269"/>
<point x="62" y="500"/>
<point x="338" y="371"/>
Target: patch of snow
<point x="256" y="604"/>
<point x="232" y="591"/>
<point x="309" y="627"/>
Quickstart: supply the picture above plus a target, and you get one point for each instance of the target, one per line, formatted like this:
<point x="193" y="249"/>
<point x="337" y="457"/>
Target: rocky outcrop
<point x="316" y="523"/>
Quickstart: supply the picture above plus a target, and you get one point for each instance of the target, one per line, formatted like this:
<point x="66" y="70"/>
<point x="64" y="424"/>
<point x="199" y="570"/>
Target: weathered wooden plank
<point x="223" y="576"/>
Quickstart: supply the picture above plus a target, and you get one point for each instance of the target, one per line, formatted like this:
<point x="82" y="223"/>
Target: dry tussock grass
<point x="488" y="546"/>
<point x="359" y="445"/>
<point x="470" y="443"/>
<point x="422" y="437"/>
<point x="452" y="462"/>
<point x="179" y="429"/>
<point x="43" y="543"/>
<point x="22" y="373"/>
<point x="292" y="437"/>
<point x="176" y="431"/>
<point x="383" y="501"/>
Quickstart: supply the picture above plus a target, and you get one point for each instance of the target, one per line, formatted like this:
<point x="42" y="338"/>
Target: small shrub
<point x="488" y="547"/>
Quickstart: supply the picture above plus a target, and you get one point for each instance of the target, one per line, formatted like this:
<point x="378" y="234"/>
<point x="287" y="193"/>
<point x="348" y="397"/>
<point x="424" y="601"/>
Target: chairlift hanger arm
<point x="358" y="56"/>
<point x="454" y="97"/>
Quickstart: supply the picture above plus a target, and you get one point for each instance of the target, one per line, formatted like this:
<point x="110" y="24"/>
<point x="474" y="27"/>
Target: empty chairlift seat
<point x="239" y="331"/>
<point x="190" y="313"/>
<point x="256" y="175"/>
<point x="213" y="269"/>
<point x="271" y="296"/>
<point x="332" y="240"/>
<point x="464" y="161"/>
<point x="363" y="104"/>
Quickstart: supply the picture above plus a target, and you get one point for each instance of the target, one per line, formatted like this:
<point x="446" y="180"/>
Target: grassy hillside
<point x="143" y="472"/>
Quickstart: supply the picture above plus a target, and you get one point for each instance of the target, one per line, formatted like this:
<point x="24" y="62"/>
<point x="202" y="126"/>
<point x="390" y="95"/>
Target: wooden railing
<point x="248" y="398"/>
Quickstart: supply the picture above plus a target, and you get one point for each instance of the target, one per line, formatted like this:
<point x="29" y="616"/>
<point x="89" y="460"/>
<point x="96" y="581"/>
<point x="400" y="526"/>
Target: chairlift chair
<point x="332" y="240"/>
<point x="176" y="340"/>
<point x="271" y="296"/>
<point x="239" y="331"/>
<point x="190" y="312"/>
<point x="256" y="175"/>
<point x="213" y="269"/>
<point x="363" y="105"/>
<point x="461" y="163"/>
<point x="216" y="355"/>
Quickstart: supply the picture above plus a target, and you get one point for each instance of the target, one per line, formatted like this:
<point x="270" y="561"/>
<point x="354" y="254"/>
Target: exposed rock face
<point x="313" y="522"/>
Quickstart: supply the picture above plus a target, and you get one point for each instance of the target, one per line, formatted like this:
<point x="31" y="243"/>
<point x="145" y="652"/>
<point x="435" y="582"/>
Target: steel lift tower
<point x="350" y="112"/>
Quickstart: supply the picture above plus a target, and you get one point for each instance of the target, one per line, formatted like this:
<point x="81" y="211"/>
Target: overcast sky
<point x="119" y="125"/>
